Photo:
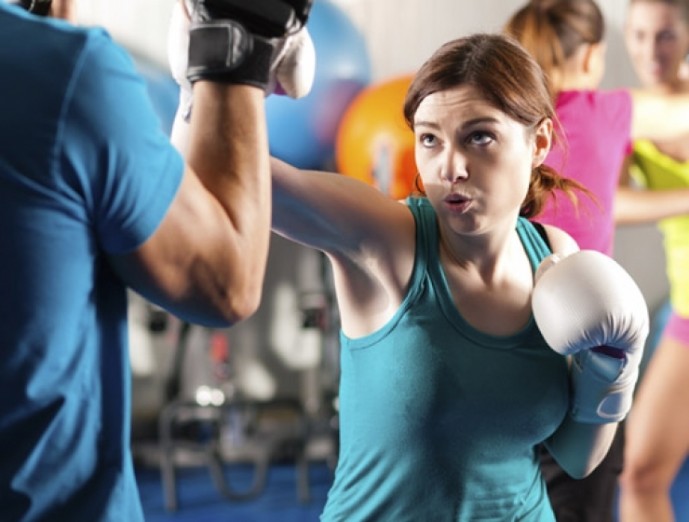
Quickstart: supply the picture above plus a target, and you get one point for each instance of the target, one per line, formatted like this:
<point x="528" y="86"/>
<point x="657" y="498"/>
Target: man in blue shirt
<point x="94" y="200"/>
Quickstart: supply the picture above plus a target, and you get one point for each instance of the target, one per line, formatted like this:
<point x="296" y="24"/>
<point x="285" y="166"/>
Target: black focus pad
<point x="302" y="8"/>
<point x="267" y="18"/>
<point x="39" y="7"/>
<point x="233" y="40"/>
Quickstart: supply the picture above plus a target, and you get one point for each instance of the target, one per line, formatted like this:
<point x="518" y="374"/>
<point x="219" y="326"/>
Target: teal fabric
<point x="439" y="421"/>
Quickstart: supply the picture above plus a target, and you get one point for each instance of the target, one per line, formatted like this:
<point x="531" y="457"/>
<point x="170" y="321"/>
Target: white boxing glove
<point x="587" y="306"/>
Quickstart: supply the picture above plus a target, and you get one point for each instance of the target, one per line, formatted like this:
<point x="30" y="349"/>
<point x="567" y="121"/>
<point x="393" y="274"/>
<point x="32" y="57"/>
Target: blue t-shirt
<point x="440" y="421"/>
<point x="85" y="171"/>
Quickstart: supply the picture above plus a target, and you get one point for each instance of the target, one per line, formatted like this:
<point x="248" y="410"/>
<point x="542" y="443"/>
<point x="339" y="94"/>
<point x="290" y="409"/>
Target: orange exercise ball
<point x="374" y="143"/>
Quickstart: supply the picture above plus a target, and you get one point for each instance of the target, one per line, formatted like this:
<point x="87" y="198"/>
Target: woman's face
<point x="474" y="160"/>
<point x="657" y="40"/>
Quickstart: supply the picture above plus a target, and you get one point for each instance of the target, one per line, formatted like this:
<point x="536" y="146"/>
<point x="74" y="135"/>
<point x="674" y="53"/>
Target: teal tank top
<point x="438" y="420"/>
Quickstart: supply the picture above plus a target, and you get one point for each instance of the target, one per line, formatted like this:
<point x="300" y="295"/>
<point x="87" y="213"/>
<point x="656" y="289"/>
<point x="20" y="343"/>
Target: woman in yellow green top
<point x="657" y="437"/>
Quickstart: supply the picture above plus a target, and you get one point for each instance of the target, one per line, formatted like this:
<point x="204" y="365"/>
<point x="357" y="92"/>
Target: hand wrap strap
<point x="223" y="50"/>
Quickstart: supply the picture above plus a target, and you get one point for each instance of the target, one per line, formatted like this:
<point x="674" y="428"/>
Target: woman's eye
<point x="480" y="138"/>
<point x="427" y="140"/>
<point x="666" y="36"/>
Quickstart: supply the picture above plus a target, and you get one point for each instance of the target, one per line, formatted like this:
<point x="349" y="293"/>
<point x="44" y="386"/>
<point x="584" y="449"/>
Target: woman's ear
<point x="543" y="141"/>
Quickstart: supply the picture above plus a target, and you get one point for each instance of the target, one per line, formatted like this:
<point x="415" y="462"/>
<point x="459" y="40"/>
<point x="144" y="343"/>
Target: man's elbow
<point x="236" y="302"/>
<point x="243" y="305"/>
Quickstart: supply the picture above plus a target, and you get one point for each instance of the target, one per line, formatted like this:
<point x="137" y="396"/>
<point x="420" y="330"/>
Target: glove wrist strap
<point x="602" y="387"/>
<point x="223" y="51"/>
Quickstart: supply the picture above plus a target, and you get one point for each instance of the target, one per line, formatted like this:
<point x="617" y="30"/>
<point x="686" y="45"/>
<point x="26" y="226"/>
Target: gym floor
<point x="200" y="501"/>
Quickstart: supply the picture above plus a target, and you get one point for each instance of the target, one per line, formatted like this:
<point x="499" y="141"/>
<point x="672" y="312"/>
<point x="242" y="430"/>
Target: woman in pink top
<point x="596" y="129"/>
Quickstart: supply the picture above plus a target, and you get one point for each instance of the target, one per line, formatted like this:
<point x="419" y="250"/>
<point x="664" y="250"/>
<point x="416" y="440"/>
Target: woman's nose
<point x="455" y="167"/>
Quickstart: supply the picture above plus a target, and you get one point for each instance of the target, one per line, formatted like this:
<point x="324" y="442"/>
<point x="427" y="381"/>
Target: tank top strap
<point x="534" y="243"/>
<point x="426" y="233"/>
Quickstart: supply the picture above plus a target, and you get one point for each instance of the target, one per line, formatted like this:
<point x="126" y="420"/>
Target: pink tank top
<point x="596" y="126"/>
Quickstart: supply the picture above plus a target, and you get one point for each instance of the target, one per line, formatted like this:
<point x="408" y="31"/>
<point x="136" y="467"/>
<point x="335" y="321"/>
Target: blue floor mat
<point x="200" y="501"/>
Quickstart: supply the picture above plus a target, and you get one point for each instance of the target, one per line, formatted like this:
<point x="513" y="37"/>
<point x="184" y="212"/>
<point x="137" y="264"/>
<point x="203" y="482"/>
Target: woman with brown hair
<point x="457" y="361"/>
<point x="447" y="384"/>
